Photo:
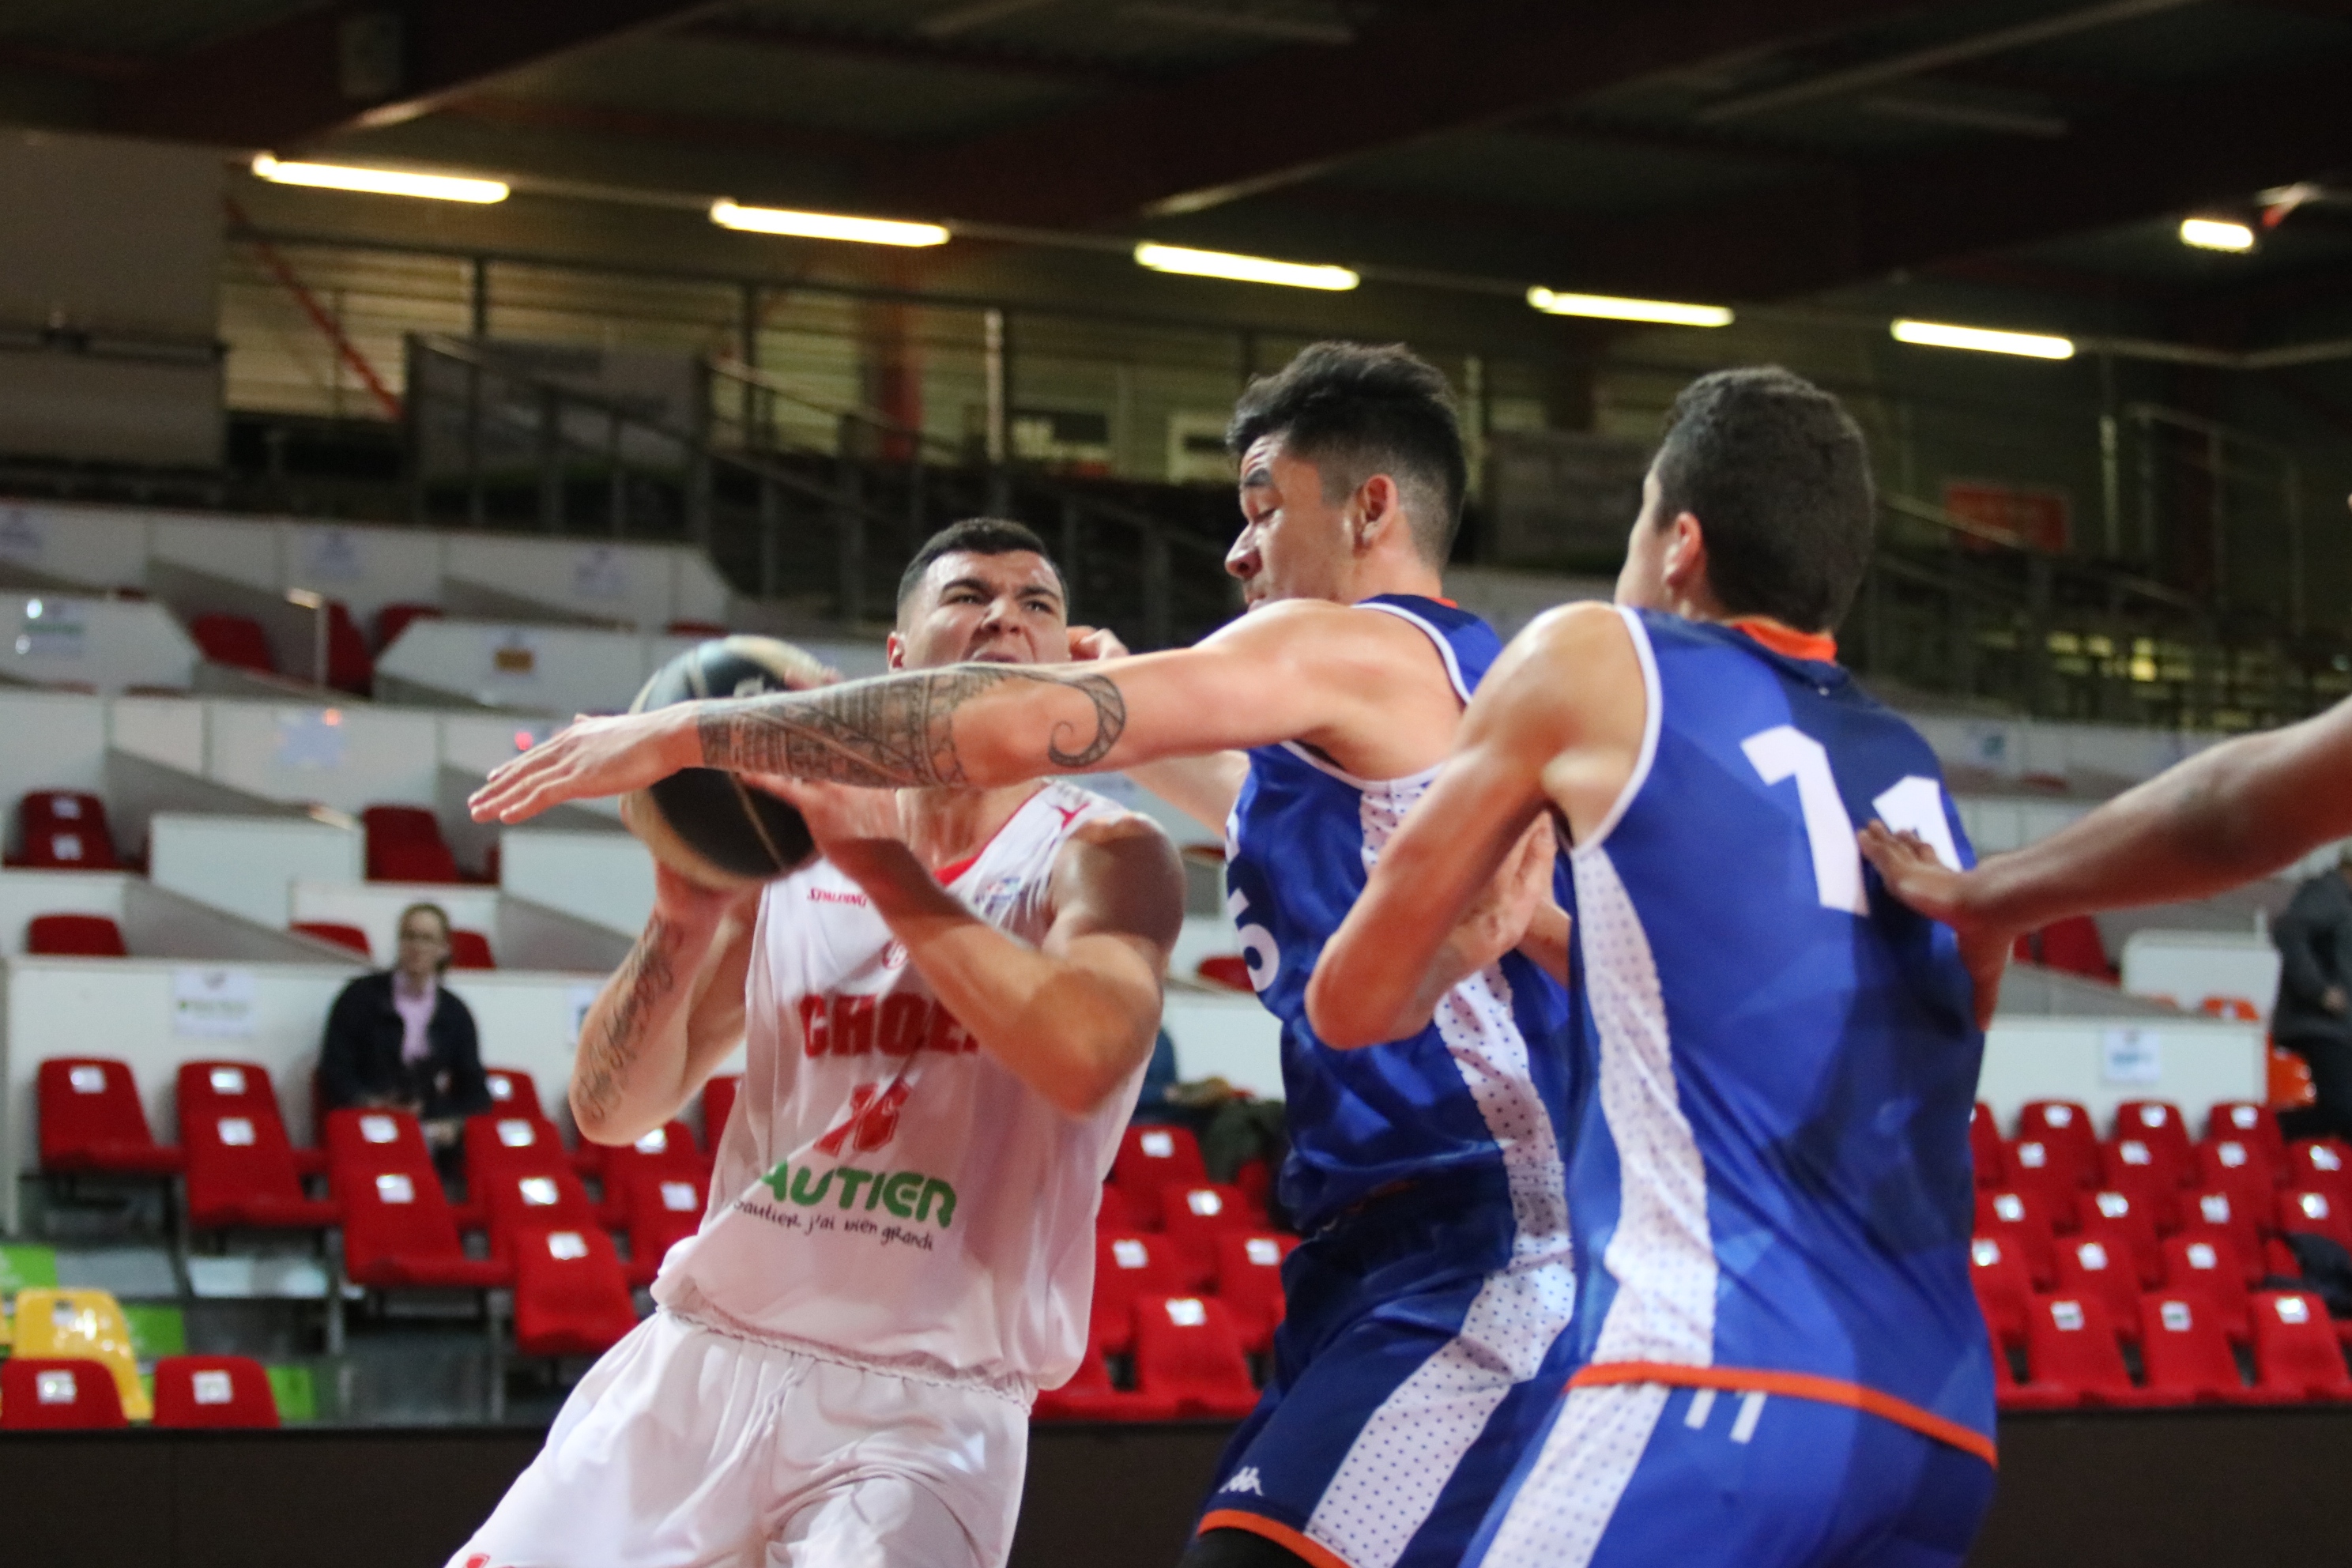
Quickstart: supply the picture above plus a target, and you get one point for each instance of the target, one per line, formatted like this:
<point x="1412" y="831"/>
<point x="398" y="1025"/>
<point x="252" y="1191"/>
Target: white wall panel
<point x="167" y="730"/>
<point x="49" y="741"/>
<point x="24" y="894"/>
<point x="247" y="865"/>
<point x="2190" y="965"/>
<point x="2202" y="1060"/>
<point x="606" y="878"/>
<point x="347" y="758"/>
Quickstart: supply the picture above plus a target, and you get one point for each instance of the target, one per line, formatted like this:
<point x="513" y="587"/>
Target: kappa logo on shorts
<point x="1245" y="1481"/>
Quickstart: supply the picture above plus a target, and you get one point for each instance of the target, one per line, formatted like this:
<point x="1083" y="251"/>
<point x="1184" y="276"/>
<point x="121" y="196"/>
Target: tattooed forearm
<point x="606" y="1056"/>
<point x="900" y="730"/>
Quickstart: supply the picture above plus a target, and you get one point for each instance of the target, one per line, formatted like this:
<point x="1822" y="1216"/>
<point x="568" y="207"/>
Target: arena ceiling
<point x="1695" y="149"/>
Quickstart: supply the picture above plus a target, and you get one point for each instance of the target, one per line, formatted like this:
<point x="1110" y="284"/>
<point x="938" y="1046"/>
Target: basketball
<point x="705" y="825"/>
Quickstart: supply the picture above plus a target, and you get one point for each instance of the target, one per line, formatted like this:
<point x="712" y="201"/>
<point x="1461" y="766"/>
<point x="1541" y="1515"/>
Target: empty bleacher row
<point x="2193" y="1265"/>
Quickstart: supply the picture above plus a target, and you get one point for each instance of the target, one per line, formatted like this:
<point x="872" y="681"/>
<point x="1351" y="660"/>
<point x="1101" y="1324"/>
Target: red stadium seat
<point x="2235" y="1167"/>
<point x="1128" y="1267"/>
<point x="2095" y="1267"/>
<point x="694" y="629"/>
<point x="398" y="1229"/>
<point x="2129" y="1167"/>
<point x="2253" y="1123"/>
<point x="514" y="1091"/>
<point x="404" y="844"/>
<point x="241" y="1169"/>
<point x="718" y="1105"/>
<point x="1249" y="1282"/>
<point x="2073" y="946"/>
<point x="2206" y="1266"/>
<point x="1186" y="1348"/>
<point x="39" y="1394"/>
<point x="2114" y="1216"/>
<point x="1117" y="1210"/>
<point x="2020" y="1222"/>
<point x="1090" y="1395"/>
<point x="2237" y="1009"/>
<point x="2310" y="1212"/>
<point x="1149" y="1158"/>
<point x="2184" y="1351"/>
<point x="2065" y="1126"/>
<point x="524" y="1186"/>
<point x="669" y="1147"/>
<point x="338" y="933"/>
<point x="393" y="619"/>
<point x="2035" y="1167"/>
<point x="349" y="666"/>
<point x="74" y="936"/>
<point x="62" y="830"/>
<point x="570" y="1295"/>
<point x="2070" y="1346"/>
<point x="2004" y="1291"/>
<point x="213" y="1391"/>
<point x="235" y="640"/>
<point x="1193" y="1217"/>
<point x="663" y="1207"/>
<point x="2158" y="1125"/>
<point x="1991" y="1155"/>
<point x="2296" y="1353"/>
<point x="92" y="1120"/>
<point x="470" y="950"/>
<point x="2322" y="1165"/>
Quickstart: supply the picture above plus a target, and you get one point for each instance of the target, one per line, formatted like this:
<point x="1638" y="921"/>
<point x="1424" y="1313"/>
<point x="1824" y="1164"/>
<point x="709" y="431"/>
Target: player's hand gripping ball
<point x="707" y="824"/>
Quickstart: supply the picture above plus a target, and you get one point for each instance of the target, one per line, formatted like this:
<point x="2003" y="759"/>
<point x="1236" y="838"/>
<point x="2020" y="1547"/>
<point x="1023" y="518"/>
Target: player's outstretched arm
<point x="1549" y="721"/>
<point x="667" y="1016"/>
<point x="1292" y="671"/>
<point x="1074" y="1016"/>
<point x="2227" y="815"/>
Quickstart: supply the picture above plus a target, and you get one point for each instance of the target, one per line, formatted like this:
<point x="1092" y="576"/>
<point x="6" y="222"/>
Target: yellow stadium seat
<point x="85" y="1323"/>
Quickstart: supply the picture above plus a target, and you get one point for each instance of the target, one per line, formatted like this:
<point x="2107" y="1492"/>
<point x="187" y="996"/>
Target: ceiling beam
<point x="2216" y="143"/>
<point x="304" y="76"/>
<point x="1290" y="113"/>
<point x="945" y="51"/>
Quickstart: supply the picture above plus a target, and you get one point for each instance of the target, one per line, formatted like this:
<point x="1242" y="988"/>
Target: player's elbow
<point x="1343" y="1015"/>
<point x="603" y="1123"/>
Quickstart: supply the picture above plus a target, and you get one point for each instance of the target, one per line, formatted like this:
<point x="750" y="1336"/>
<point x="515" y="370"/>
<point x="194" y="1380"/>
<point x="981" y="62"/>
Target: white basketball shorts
<point x="687" y="1449"/>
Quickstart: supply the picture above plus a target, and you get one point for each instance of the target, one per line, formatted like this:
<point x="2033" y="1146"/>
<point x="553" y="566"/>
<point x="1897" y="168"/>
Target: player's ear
<point x="1685" y="562"/>
<point x="894" y="649"/>
<point x="1376" y="511"/>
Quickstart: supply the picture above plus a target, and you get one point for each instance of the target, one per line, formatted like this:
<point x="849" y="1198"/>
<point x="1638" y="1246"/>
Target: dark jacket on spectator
<point x="359" y="1057"/>
<point x="2314" y="944"/>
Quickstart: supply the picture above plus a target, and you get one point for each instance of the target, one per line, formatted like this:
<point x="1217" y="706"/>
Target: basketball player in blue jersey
<point x="1780" y="1358"/>
<point x="1423" y="1345"/>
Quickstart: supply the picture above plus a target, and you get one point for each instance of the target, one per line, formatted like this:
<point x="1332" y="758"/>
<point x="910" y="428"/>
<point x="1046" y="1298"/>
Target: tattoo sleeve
<point x="896" y="729"/>
<point x="645" y="977"/>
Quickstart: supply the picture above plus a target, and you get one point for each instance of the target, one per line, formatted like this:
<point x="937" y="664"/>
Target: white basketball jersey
<point x="887" y="1192"/>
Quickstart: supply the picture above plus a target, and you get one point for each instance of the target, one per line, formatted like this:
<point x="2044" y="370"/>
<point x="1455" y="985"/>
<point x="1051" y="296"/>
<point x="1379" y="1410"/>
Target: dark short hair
<point x="1779" y="476"/>
<point x="1355" y="410"/>
<point x="976" y="536"/>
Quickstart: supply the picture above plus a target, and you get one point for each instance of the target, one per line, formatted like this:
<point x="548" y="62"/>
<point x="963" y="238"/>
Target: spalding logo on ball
<point x="705" y="824"/>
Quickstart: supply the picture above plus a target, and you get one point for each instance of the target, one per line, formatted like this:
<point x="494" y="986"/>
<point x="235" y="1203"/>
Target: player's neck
<point x="1393" y="573"/>
<point x="946" y="825"/>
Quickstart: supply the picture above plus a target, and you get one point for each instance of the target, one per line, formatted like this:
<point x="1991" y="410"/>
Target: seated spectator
<point x="399" y="1040"/>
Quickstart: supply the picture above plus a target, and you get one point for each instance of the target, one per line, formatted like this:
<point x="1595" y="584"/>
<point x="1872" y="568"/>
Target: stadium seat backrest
<point x="665" y="1206"/>
<point x="1186" y="1346"/>
<point x="41" y="1393"/>
<point x="336" y="931"/>
<point x="2112" y="1212"/>
<point x="2071" y="1342"/>
<point x="2074" y="946"/>
<point x="2094" y="1267"/>
<point x="528" y="1195"/>
<point x="349" y="666"/>
<point x="718" y="1105"/>
<point x="238" y="1155"/>
<point x="404" y="844"/>
<point x="2237" y="1009"/>
<point x="669" y="1147"/>
<point x="394" y="1208"/>
<point x="2217" y="1212"/>
<point x="2158" y="1125"/>
<point x="1151" y="1157"/>
<point x="1130" y="1266"/>
<point x="2004" y="1289"/>
<point x="2018" y="1218"/>
<point x="1194" y="1216"/>
<point x="1985" y="1146"/>
<point x="2128" y="1166"/>
<point x="235" y="640"/>
<point x="470" y="950"/>
<point x="514" y="1092"/>
<point x="2065" y="1125"/>
<point x="2320" y="1163"/>
<point x="2313" y="1211"/>
<point x="570" y="1296"/>
<point x="2253" y="1123"/>
<point x="74" y="936"/>
<point x="65" y="830"/>
<point x="1249" y="1282"/>
<point x="213" y="1391"/>
<point x="2296" y="1352"/>
<point x="2183" y="1350"/>
<point x="2047" y="1172"/>
<point x="87" y="1325"/>
<point x="91" y="1119"/>
<point x="2206" y="1264"/>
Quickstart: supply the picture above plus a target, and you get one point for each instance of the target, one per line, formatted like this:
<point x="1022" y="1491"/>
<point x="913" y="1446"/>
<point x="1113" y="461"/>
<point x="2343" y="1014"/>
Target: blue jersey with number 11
<point x="1485" y="1087"/>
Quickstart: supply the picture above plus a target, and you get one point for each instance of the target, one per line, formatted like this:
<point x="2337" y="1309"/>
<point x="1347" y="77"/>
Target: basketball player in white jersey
<point x="946" y="1021"/>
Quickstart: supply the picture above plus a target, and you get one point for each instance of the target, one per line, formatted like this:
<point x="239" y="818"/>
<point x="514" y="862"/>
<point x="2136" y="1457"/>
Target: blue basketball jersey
<point x="1486" y="1085"/>
<point x="1771" y="1171"/>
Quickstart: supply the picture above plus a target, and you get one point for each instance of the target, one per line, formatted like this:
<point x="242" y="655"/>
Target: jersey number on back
<point x="1914" y="804"/>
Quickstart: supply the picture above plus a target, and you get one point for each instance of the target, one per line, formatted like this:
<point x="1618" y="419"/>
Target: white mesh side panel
<point x="1564" y="1506"/>
<point x="1391" y="1480"/>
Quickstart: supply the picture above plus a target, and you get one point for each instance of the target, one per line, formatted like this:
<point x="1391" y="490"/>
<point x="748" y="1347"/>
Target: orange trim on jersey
<point x="1819" y="647"/>
<point x="1796" y="1385"/>
<point x="1282" y="1535"/>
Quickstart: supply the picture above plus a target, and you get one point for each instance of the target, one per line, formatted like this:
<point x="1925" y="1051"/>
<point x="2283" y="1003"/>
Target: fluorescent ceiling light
<point x="2214" y="234"/>
<point x="825" y="225"/>
<point x="379" y="181"/>
<point x="1610" y="309"/>
<point x="1243" y="268"/>
<point x="1935" y="334"/>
